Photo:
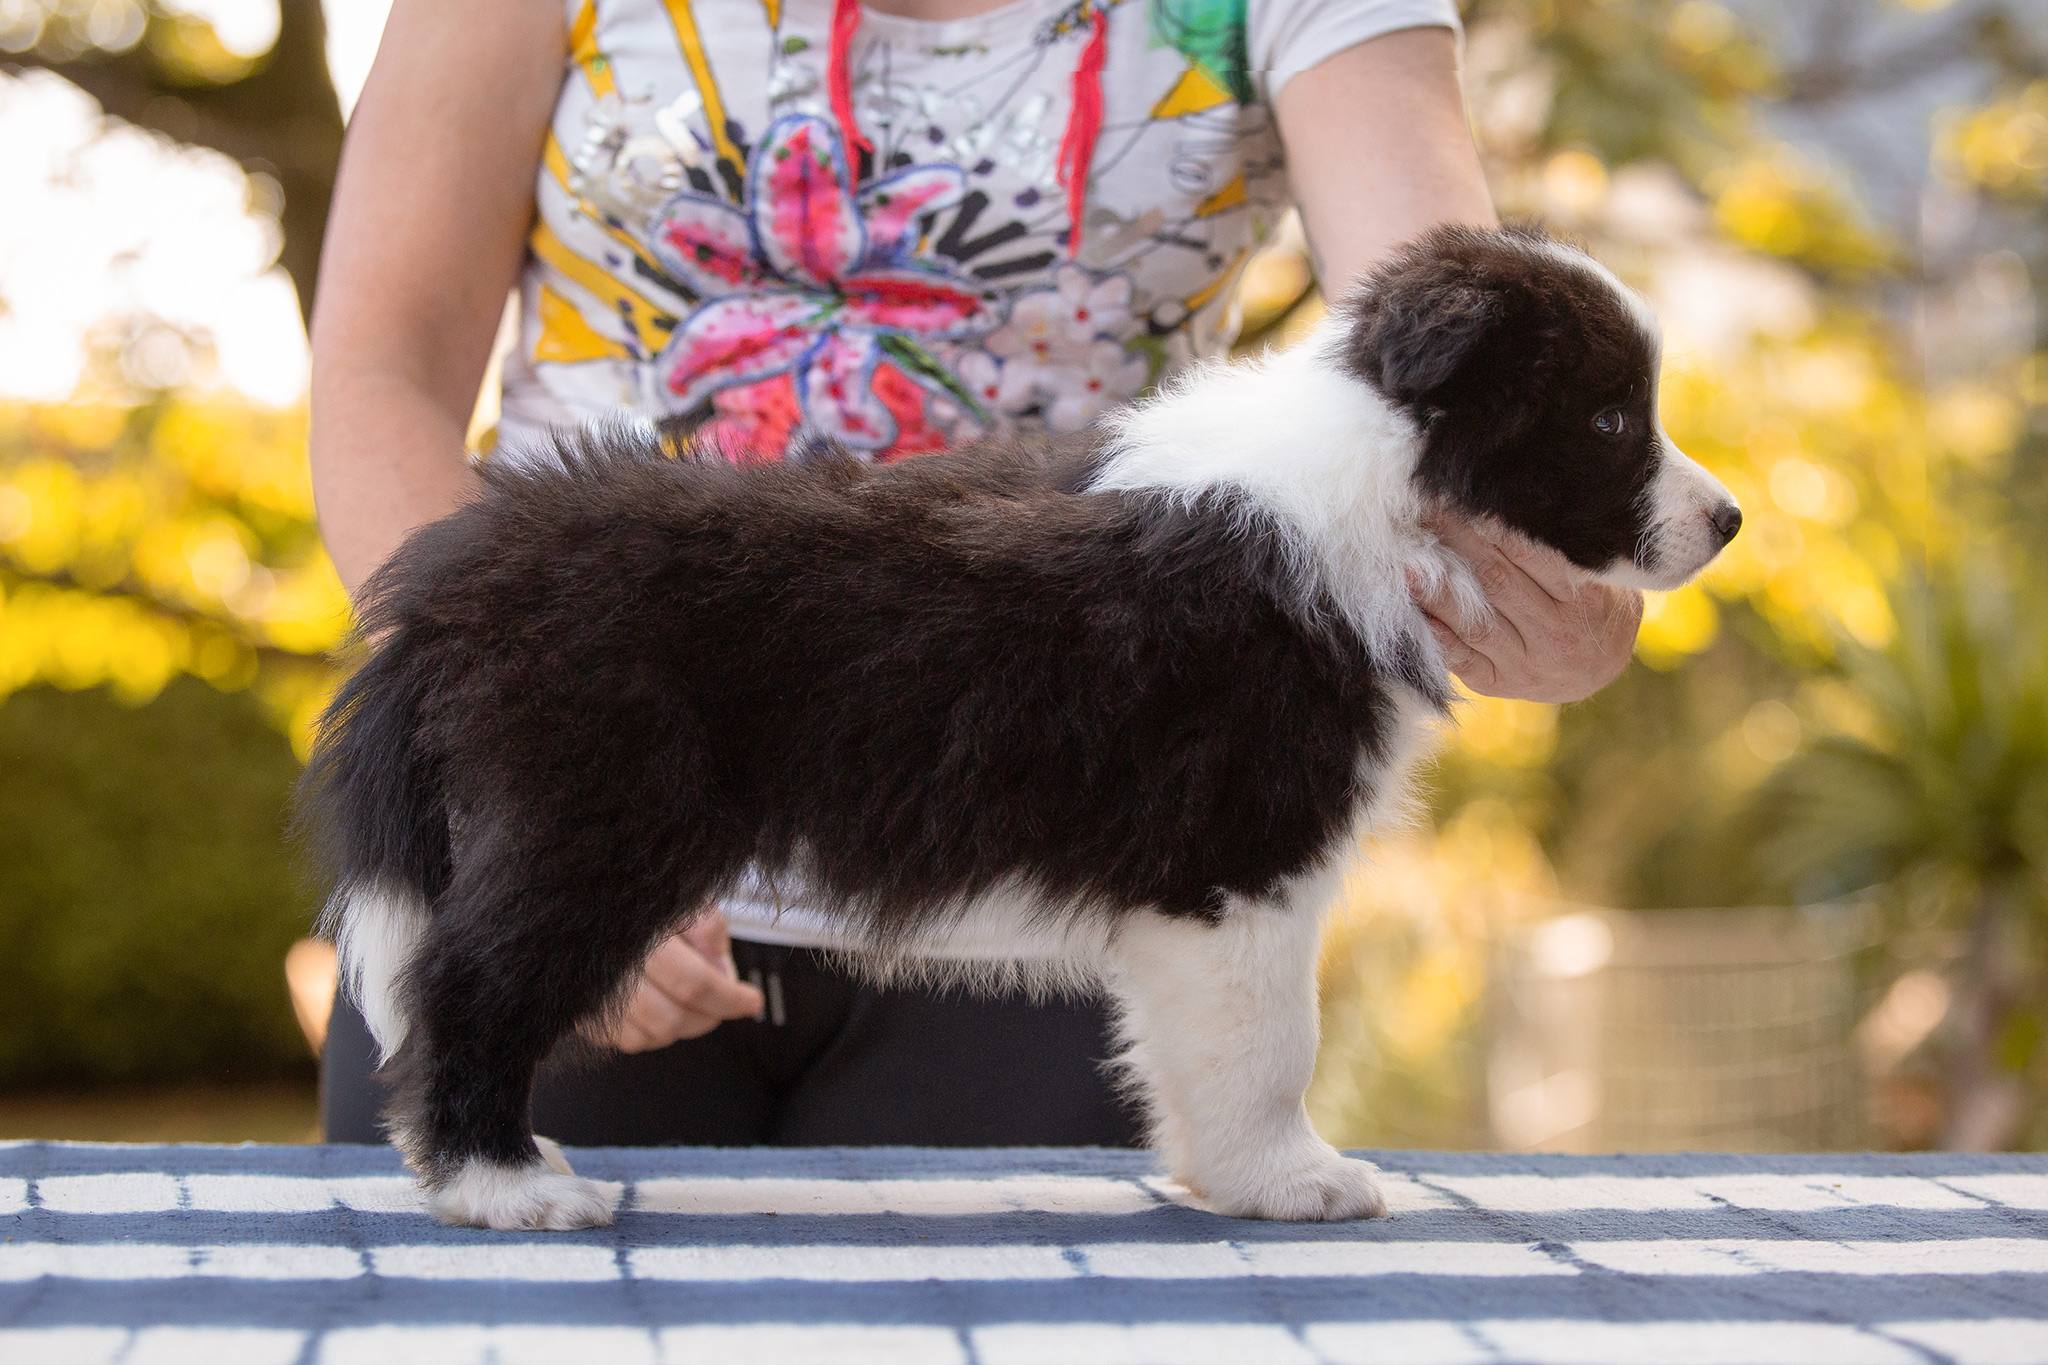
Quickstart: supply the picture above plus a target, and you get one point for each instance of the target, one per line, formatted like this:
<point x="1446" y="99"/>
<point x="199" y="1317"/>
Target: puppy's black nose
<point x="1726" y="520"/>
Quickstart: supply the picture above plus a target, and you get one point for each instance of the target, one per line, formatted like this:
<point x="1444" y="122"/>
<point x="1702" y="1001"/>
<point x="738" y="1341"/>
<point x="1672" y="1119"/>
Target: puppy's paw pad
<point x="1331" y="1190"/>
<point x="520" y="1199"/>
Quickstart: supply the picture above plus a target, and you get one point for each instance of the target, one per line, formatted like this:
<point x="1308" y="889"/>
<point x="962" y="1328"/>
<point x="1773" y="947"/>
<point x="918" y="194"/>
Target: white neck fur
<point x="1329" y="458"/>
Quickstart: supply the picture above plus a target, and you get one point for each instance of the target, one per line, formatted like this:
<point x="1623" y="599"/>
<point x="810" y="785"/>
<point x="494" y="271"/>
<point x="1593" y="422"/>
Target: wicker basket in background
<point x="1730" y="1030"/>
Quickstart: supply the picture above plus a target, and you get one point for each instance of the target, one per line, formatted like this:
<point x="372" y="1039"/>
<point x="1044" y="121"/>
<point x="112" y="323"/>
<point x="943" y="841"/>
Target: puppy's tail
<point x="373" y="802"/>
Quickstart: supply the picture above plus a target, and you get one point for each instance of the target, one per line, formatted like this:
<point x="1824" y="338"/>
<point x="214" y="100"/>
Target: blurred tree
<point x="159" y="66"/>
<point x="140" y="543"/>
<point x="165" y="612"/>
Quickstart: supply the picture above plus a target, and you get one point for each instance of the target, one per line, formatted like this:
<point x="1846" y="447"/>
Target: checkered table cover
<point x="146" y="1255"/>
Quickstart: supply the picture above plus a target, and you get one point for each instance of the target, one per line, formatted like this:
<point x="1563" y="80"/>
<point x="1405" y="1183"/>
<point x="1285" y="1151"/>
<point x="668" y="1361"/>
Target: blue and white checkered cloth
<point x="323" y="1256"/>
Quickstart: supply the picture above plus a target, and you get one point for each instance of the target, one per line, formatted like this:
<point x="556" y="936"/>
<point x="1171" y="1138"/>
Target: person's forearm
<point x="1379" y="151"/>
<point x="387" y="459"/>
<point x="432" y="203"/>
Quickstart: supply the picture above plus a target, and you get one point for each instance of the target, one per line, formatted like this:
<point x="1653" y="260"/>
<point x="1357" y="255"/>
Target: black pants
<point x="837" y="1063"/>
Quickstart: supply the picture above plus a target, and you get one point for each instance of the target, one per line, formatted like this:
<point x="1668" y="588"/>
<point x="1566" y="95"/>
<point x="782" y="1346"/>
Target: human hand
<point x="687" y="988"/>
<point x="1552" y="636"/>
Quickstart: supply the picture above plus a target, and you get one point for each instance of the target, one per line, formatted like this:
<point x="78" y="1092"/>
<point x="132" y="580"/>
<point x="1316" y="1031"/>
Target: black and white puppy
<point x="1135" y="694"/>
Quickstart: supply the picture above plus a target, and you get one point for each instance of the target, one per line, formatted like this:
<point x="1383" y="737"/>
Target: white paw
<point x="520" y="1198"/>
<point x="1330" y="1189"/>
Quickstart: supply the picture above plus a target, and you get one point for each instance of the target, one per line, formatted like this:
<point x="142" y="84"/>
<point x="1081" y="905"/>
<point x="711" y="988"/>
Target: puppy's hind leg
<point x="534" y="937"/>
<point x="493" y="989"/>
<point x="1220" y="1025"/>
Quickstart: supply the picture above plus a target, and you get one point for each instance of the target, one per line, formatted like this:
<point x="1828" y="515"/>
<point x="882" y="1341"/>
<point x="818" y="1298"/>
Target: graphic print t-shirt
<point x="710" y="247"/>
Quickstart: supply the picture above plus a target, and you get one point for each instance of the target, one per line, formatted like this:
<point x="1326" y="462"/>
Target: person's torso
<point x="707" y="249"/>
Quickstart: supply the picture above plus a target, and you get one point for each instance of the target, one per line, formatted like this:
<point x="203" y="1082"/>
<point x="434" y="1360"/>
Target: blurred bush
<point x="1939" y="790"/>
<point x="146" y="897"/>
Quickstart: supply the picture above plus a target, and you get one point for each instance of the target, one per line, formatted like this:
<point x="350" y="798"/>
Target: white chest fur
<point x="1329" y="459"/>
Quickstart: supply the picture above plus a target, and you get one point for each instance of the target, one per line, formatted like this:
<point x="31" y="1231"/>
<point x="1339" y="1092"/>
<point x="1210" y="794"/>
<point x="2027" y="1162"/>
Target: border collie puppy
<point x="1135" y="694"/>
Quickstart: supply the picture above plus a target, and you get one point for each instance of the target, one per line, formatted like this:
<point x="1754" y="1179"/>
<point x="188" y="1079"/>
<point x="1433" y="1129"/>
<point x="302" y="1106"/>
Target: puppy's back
<point x="613" y="495"/>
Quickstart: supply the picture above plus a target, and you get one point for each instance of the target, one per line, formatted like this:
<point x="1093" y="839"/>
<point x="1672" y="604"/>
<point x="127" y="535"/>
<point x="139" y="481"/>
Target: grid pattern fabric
<point x="141" y="1255"/>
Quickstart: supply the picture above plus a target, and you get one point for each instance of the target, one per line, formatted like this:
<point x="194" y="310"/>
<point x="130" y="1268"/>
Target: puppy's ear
<point x="1412" y="330"/>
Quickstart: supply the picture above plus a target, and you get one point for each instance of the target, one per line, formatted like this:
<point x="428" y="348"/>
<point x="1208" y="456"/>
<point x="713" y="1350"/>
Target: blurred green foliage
<point x="165" y="613"/>
<point x="146" y="894"/>
<point x="1946" y="786"/>
<point x="1942" y="796"/>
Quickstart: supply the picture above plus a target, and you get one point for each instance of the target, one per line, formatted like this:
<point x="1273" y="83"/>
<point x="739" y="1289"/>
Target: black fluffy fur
<point x="603" y="690"/>
<point x="622" y="681"/>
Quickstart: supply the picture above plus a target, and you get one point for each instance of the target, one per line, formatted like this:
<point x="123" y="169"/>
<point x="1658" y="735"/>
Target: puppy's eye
<point x="1612" y="422"/>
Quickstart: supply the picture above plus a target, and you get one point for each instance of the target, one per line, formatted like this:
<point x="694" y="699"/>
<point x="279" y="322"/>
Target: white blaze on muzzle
<point x="1688" y="517"/>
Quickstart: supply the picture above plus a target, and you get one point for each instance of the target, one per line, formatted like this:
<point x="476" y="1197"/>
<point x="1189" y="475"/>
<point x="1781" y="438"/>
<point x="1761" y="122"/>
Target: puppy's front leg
<point x="1220" y="1025"/>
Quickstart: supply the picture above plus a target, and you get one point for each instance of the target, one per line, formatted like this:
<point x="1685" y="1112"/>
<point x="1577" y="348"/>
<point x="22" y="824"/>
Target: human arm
<point x="428" y="229"/>
<point x="1378" y="151"/>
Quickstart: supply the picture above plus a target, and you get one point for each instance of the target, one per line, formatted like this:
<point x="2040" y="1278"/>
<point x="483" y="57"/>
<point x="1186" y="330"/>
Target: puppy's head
<point x="1532" y="374"/>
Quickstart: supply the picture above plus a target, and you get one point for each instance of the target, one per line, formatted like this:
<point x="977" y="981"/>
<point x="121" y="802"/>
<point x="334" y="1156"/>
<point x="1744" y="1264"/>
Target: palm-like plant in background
<point x="1941" y="791"/>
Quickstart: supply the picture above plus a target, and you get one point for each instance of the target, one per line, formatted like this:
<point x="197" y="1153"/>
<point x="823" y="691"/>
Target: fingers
<point x="1437" y="600"/>
<point x="1463" y="634"/>
<point x="678" y="970"/>
<point x="1507" y="584"/>
<point x="1548" y="569"/>
<point x="683" y="993"/>
<point x="653" y="1020"/>
<point x="1461" y="658"/>
<point x="1493" y="643"/>
<point x="711" y="935"/>
<point x="1551" y="636"/>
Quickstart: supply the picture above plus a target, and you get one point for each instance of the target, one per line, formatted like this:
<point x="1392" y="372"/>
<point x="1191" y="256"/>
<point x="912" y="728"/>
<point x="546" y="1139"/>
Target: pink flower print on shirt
<point x="999" y="385"/>
<point x="816" y="282"/>
<point x="753" y="421"/>
<point x="1107" y="377"/>
<point x="1095" y="308"/>
<point x="1062" y="346"/>
<point x="922" y="417"/>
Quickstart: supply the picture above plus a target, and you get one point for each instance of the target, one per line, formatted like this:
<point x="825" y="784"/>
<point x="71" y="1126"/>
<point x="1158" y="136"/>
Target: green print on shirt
<point x="1209" y="33"/>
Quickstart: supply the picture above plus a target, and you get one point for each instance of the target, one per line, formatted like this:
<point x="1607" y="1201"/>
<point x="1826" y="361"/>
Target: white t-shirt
<point x="707" y="247"/>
